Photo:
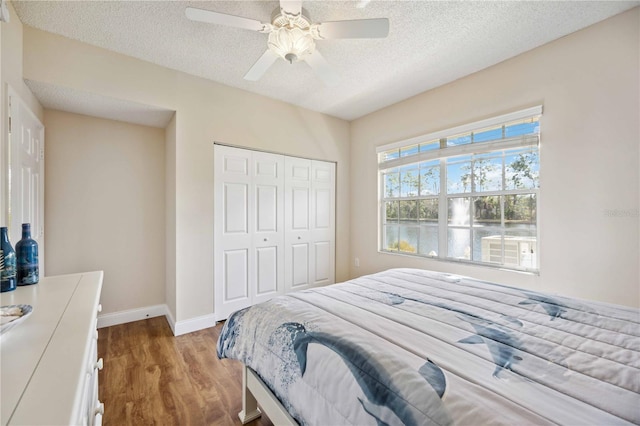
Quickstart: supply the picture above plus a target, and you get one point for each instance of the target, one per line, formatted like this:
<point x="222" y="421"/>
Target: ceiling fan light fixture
<point x="291" y="44"/>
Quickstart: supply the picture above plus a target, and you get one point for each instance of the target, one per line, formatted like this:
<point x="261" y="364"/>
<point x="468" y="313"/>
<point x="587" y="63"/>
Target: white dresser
<point x="49" y="363"/>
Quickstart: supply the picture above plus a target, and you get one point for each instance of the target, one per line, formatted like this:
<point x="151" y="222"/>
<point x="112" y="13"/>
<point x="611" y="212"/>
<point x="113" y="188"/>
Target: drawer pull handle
<point x="100" y="307"/>
<point x="99" y="409"/>
<point x="99" y="364"/>
<point x="96" y="335"/>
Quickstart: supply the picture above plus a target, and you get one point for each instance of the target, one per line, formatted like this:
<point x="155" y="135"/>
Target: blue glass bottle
<point x="7" y="262"/>
<point x="27" y="258"/>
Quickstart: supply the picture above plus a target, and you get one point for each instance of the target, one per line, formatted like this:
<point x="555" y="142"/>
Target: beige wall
<point x="205" y="112"/>
<point x="170" y="215"/>
<point x="105" y="205"/>
<point x="590" y="136"/>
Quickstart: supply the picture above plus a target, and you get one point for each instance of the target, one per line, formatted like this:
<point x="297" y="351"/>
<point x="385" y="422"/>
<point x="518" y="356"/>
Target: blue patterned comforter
<point x="415" y="347"/>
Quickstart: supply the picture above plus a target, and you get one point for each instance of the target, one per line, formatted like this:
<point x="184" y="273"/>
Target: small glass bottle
<point x="7" y="262"/>
<point x="27" y="258"/>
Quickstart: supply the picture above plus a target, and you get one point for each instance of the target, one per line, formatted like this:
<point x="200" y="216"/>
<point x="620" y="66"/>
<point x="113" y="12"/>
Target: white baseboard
<point x="193" y="324"/>
<point x="171" y="321"/>
<point x="130" y="315"/>
<point x="178" y="328"/>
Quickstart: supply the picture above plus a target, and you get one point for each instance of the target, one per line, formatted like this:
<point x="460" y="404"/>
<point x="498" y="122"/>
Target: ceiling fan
<point x="292" y="36"/>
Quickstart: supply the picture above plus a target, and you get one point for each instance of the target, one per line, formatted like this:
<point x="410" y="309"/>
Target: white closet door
<point x="322" y="223"/>
<point x="274" y="226"/>
<point x="233" y="230"/>
<point x="267" y="275"/>
<point x="297" y="202"/>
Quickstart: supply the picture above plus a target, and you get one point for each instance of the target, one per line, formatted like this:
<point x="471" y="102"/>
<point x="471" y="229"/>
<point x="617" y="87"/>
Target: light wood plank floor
<point x="151" y="377"/>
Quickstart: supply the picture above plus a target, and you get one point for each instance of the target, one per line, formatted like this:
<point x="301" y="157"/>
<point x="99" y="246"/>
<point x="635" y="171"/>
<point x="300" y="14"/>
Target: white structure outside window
<point x="466" y="194"/>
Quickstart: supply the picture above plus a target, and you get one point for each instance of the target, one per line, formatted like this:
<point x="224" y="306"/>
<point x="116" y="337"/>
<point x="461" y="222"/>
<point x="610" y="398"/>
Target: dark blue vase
<point x="7" y="262"/>
<point x="27" y="258"/>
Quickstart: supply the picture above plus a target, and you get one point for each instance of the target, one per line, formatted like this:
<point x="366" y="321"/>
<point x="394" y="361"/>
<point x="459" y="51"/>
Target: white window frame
<point x="442" y="154"/>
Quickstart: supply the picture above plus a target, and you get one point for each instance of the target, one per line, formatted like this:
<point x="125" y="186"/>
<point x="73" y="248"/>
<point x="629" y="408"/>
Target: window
<point x="467" y="194"/>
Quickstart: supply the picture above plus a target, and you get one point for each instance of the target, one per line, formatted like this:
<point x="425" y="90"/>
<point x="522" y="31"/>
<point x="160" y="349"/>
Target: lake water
<point x="463" y="242"/>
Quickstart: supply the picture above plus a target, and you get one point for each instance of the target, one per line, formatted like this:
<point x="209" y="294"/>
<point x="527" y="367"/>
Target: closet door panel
<point x="297" y="220"/>
<point x="300" y="209"/>
<point x="233" y="229"/>
<point x="322" y="211"/>
<point x="322" y="226"/>
<point x="236" y="280"/>
<point x="266" y="208"/>
<point x="267" y="273"/>
<point x="299" y="266"/>
<point x="235" y="208"/>
<point x="322" y="261"/>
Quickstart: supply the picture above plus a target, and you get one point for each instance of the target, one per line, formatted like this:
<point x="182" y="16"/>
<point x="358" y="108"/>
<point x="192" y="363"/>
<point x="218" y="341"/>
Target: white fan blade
<point x="291" y="7"/>
<point x="261" y="66"/>
<point x="361" y="28"/>
<point x="322" y="69"/>
<point x="212" y="17"/>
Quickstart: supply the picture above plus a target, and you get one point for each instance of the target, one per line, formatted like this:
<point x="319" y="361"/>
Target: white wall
<point x="590" y="136"/>
<point x="105" y="205"/>
<point x="205" y="112"/>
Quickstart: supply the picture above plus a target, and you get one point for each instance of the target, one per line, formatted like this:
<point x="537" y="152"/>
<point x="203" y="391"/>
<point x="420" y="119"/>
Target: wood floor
<point x="151" y="377"/>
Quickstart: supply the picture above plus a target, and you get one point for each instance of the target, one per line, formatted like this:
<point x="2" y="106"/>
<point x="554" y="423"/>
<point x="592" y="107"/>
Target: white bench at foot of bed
<point x="255" y="392"/>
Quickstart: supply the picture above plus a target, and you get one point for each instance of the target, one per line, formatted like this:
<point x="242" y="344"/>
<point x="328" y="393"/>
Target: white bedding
<point x="414" y="347"/>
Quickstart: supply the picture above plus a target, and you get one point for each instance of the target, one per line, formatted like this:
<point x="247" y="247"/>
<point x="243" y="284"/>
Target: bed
<point x="415" y="347"/>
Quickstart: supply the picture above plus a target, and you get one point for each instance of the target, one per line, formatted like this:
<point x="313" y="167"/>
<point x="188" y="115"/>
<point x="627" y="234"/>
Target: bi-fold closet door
<point x="274" y="226"/>
<point x="309" y="201"/>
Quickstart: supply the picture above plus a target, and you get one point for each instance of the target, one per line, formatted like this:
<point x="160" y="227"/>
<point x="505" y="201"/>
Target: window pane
<point x="388" y="155"/>
<point x="458" y="243"/>
<point x="409" y="181"/>
<point x="429" y="178"/>
<point x="408" y="242"/>
<point x="390" y="237"/>
<point x="459" y="211"/>
<point x="522" y="169"/>
<point x="428" y="146"/>
<point x="487" y="245"/>
<point x="409" y="210"/>
<point x="522" y="127"/>
<point x="460" y="139"/>
<point x="391" y="183"/>
<point x="523" y="247"/>
<point x="391" y="211"/>
<point x="459" y="175"/>
<point x="428" y="244"/>
<point x="487" y="173"/>
<point x="520" y="210"/>
<point x="486" y="211"/>
<point x="429" y="211"/>
<point x="408" y="150"/>
<point x="485" y="135"/>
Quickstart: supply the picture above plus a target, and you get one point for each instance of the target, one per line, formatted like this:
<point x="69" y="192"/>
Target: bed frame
<point x="255" y="392"/>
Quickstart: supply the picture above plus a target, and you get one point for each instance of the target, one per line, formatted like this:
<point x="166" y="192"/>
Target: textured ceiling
<point x="430" y="43"/>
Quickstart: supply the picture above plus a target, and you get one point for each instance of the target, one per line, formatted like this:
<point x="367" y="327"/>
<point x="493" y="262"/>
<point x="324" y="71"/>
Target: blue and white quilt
<point x="414" y="347"/>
